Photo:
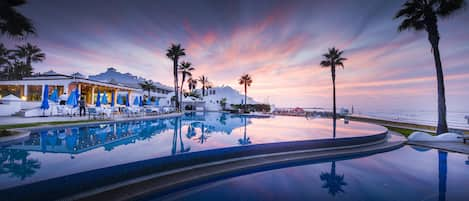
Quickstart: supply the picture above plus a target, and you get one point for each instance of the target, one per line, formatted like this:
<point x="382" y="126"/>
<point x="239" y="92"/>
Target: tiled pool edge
<point x="85" y="181"/>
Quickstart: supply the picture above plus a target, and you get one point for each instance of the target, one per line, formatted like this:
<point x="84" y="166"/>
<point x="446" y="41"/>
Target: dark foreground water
<point x="406" y="174"/>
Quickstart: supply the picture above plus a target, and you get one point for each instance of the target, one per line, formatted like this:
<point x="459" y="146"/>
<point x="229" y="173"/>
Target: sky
<point x="280" y="43"/>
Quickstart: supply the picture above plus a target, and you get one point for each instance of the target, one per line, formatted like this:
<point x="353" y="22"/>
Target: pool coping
<point x="86" y="181"/>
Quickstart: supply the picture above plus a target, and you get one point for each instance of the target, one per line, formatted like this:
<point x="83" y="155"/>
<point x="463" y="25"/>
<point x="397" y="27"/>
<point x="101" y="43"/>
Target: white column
<point x="92" y="94"/>
<point x="25" y="89"/>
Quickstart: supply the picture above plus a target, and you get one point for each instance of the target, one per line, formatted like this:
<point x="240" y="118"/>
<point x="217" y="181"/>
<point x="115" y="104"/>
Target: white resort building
<point x="24" y="97"/>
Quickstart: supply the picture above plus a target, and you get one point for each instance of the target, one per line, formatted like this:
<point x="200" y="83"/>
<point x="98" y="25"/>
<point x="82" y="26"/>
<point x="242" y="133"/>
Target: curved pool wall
<point x="409" y="173"/>
<point x="53" y="188"/>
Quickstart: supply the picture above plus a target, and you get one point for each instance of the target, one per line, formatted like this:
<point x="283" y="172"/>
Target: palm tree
<point x="192" y="83"/>
<point x="186" y="71"/>
<point x="147" y="86"/>
<point x="423" y="14"/>
<point x="30" y="53"/>
<point x="333" y="181"/>
<point x="332" y="59"/>
<point x="205" y="83"/>
<point x="173" y="53"/>
<point x="245" y="80"/>
<point x="13" y="23"/>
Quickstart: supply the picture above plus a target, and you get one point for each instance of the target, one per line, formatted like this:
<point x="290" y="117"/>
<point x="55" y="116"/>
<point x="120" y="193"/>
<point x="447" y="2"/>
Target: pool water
<point x="63" y="151"/>
<point x="406" y="174"/>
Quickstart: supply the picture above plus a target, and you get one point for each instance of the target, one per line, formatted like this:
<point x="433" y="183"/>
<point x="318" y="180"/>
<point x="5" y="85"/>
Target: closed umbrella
<point x="112" y="99"/>
<point x="127" y="100"/>
<point x="72" y="99"/>
<point x="120" y="100"/>
<point x="55" y="95"/>
<point x="140" y="101"/>
<point x="77" y="97"/>
<point x="104" y="99"/>
<point x="157" y="102"/>
<point x="148" y="101"/>
<point x="45" y="99"/>
<point x="136" y="102"/>
<point x="98" y="100"/>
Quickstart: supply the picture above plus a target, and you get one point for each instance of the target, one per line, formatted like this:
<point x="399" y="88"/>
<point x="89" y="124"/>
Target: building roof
<point x="112" y="75"/>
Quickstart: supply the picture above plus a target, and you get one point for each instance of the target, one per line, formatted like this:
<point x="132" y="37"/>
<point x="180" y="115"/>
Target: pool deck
<point x="457" y="147"/>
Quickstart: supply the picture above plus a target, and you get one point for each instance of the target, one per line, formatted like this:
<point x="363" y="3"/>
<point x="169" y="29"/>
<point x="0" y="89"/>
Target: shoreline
<point x="395" y="124"/>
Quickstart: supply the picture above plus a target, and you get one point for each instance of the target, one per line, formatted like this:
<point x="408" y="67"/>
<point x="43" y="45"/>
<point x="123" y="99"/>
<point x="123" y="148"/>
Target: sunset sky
<point x="279" y="43"/>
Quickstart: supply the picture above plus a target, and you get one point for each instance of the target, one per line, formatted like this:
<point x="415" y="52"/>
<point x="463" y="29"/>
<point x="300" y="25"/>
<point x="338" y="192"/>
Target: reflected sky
<point x="405" y="174"/>
<point x="63" y="151"/>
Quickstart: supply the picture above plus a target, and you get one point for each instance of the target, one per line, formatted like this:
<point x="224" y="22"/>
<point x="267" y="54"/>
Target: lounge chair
<point x="93" y="112"/>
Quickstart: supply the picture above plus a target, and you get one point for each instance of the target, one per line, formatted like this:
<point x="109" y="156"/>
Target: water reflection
<point x="332" y="181"/>
<point x="139" y="140"/>
<point x="16" y="163"/>
<point x="442" y="172"/>
<point x="246" y="140"/>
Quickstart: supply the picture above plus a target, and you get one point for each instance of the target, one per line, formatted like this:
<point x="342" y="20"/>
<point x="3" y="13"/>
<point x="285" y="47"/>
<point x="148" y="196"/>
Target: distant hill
<point x="113" y="76"/>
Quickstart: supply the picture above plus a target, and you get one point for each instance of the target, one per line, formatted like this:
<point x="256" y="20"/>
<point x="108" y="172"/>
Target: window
<point x="17" y="90"/>
<point x="34" y="93"/>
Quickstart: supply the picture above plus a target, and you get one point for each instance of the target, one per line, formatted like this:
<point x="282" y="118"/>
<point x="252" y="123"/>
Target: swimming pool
<point x="64" y="151"/>
<point x="406" y="174"/>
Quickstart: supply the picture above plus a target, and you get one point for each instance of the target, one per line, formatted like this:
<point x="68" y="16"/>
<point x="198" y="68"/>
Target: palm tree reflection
<point x="333" y="182"/>
<point x="442" y="172"/>
<point x="203" y="136"/>
<point x="246" y="140"/>
<point x="17" y="164"/>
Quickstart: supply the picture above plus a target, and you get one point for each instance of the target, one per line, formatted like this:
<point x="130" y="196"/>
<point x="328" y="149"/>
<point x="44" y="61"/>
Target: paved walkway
<point x="5" y="120"/>
<point x="458" y="147"/>
<point x="23" y="120"/>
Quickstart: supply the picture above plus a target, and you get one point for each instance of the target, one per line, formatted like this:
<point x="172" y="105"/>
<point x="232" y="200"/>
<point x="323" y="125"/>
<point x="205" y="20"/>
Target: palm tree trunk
<point x="334" y="115"/>
<point x="175" y="64"/>
<point x="245" y="96"/>
<point x="442" y="124"/>
<point x="182" y="86"/>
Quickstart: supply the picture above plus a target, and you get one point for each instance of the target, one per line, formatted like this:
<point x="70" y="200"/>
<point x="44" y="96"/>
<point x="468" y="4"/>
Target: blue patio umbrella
<point x="136" y="102"/>
<point x="120" y="100"/>
<point x="157" y="102"/>
<point x="140" y="101"/>
<point x="45" y="98"/>
<point x="148" y="101"/>
<point x="72" y="99"/>
<point x="55" y="95"/>
<point x="77" y="97"/>
<point x="127" y="100"/>
<point x="104" y="99"/>
<point x="112" y="99"/>
<point x="98" y="100"/>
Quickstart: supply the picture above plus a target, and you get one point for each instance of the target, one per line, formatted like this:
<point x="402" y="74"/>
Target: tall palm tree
<point x="423" y="14"/>
<point x="147" y="86"/>
<point x="245" y="80"/>
<point x="333" y="181"/>
<point x="31" y="54"/>
<point x="174" y="53"/>
<point x="332" y="59"/>
<point x="13" y="23"/>
<point x="186" y="71"/>
<point x="205" y="83"/>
